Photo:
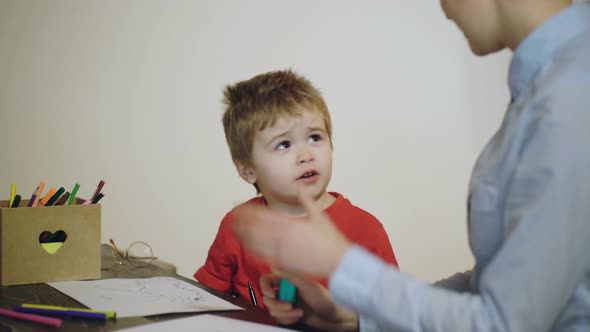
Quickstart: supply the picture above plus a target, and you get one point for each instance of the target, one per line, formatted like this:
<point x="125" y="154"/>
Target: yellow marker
<point x="109" y="314"/>
<point x="12" y="194"/>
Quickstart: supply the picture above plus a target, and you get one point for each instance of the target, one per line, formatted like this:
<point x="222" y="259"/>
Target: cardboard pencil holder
<point x="24" y="259"/>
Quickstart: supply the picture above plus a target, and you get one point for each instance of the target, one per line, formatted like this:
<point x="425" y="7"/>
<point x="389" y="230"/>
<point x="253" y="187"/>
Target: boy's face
<point x="479" y="22"/>
<point x="295" y="151"/>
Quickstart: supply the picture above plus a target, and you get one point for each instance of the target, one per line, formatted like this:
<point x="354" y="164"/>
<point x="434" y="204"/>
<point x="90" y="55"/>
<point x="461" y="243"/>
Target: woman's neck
<point x="521" y="18"/>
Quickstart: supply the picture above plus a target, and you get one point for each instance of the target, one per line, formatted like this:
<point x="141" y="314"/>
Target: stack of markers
<point x="53" y="196"/>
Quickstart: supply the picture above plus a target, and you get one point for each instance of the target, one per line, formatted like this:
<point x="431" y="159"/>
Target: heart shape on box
<point x="52" y="242"/>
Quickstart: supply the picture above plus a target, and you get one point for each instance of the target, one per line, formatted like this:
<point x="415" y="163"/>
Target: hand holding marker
<point x="287" y="291"/>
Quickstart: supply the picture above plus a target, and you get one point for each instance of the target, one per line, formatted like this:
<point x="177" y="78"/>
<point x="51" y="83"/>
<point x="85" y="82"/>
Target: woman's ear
<point x="246" y="172"/>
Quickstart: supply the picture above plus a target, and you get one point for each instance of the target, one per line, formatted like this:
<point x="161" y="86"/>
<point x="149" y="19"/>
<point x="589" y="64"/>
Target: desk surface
<point x="45" y="294"/>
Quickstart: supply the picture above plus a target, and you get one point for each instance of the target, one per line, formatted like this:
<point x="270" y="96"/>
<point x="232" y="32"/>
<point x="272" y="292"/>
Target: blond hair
<point x="254" y="104"/>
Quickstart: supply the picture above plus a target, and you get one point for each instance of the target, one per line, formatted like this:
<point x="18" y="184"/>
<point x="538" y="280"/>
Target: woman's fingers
<point x="256" y="227"/>
<point x="283" y="312"/>
<point x="269" y="284"/>
<point x="312" y="208"/>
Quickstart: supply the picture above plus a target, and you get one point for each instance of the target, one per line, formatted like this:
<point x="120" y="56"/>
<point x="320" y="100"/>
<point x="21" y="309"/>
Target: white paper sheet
<point x="142" y="297"/>
<point x="205" y="323"/>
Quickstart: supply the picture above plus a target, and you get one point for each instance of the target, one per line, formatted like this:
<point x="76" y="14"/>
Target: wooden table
<point x="45" y="294"/>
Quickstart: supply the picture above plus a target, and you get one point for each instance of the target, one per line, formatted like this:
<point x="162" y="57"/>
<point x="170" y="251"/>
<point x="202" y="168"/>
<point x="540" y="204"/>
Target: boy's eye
<point x="284" y="145"/>
<point x="315" y="138"/>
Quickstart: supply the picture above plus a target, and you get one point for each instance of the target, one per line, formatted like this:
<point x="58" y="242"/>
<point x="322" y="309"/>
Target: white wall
<point x="130" y="91"/>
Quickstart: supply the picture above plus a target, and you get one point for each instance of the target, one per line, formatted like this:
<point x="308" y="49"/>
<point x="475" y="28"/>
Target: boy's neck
<point x="297" y="210"/>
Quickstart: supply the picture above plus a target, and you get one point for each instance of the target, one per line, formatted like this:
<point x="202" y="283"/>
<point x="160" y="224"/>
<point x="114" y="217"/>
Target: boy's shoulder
<point x="257" y="200"/>
<point x="343" y="209"/>
<point x="228" y="218"/>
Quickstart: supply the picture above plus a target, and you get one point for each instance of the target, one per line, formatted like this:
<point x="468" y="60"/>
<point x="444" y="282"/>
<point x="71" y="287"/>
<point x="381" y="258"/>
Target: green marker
<point x="287" y="291"/>
<point x="73" y="194"/>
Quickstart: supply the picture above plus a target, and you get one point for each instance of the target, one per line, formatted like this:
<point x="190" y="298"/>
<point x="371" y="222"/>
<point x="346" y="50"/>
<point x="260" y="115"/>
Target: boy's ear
<point x="246" y="172"/>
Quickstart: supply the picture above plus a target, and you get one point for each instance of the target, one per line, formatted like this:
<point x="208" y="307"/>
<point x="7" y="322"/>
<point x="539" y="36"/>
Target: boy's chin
<point x="313" y="190"/>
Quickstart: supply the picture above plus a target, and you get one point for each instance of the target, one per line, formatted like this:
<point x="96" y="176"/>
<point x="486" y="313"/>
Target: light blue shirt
<point x="528" y="210"/>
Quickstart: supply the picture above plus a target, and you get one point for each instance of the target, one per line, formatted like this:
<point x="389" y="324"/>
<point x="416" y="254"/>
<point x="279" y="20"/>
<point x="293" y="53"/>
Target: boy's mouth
<point x="307" y="175"/>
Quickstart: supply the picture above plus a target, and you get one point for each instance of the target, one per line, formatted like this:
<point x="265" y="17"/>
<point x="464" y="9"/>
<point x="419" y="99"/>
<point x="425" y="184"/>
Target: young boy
<point x="279" y="134"/>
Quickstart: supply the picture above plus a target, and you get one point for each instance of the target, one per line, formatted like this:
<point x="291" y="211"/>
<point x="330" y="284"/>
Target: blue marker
<point x="287" y="291"/>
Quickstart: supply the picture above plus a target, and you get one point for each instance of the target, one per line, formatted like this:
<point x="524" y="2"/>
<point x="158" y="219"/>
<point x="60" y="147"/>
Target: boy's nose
<point x="305" y="160"/>
<point x="305" y="156"/>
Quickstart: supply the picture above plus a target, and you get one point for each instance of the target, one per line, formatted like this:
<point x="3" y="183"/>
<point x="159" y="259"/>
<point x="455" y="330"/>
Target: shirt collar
<point x="539" y="46"/>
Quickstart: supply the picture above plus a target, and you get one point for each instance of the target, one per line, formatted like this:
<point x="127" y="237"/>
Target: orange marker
<point x="38" y="193"/>
<point x="47" y="196"/>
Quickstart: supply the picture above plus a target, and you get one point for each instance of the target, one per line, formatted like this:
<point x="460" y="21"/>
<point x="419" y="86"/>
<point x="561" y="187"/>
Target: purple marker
<point x="70" y="313"/>
<point x="33" y="198"/>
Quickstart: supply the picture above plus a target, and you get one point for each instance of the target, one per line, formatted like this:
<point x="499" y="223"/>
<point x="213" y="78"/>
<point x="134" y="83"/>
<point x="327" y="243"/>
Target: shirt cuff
<point x="351" y="283"/>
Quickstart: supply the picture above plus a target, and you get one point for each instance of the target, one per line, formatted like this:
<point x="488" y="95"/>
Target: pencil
<point x="252" y="294"/>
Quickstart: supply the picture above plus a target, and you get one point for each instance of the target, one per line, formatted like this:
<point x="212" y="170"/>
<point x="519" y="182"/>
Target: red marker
<point x="98" y="189"/>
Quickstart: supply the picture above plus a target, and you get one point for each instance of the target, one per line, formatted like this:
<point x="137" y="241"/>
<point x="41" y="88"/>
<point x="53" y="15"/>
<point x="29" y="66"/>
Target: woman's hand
<point x="316" y="306"/>
<point x="312" y="245"/>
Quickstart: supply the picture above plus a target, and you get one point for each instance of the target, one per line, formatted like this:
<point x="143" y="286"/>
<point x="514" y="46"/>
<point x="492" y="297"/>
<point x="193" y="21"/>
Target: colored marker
<point x="33" y="197"/>
<point x="87" y="202"/>
<point x="47" y="197"/>
<point x="287" y="291"/>
<point x="73" y="194"/>
<point x="63" y="198"/>
<point x="55" y="196"/>
<point x="69" y="313"/>
<point x="109" y="314"/>
<point x="38" y="193"/>
<point x="55" y="322"/>
<point x="12" y="194"/>
<point x="15" y="202"/>
<point x="98" y="189"/>
<point x="95" y="200"/>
